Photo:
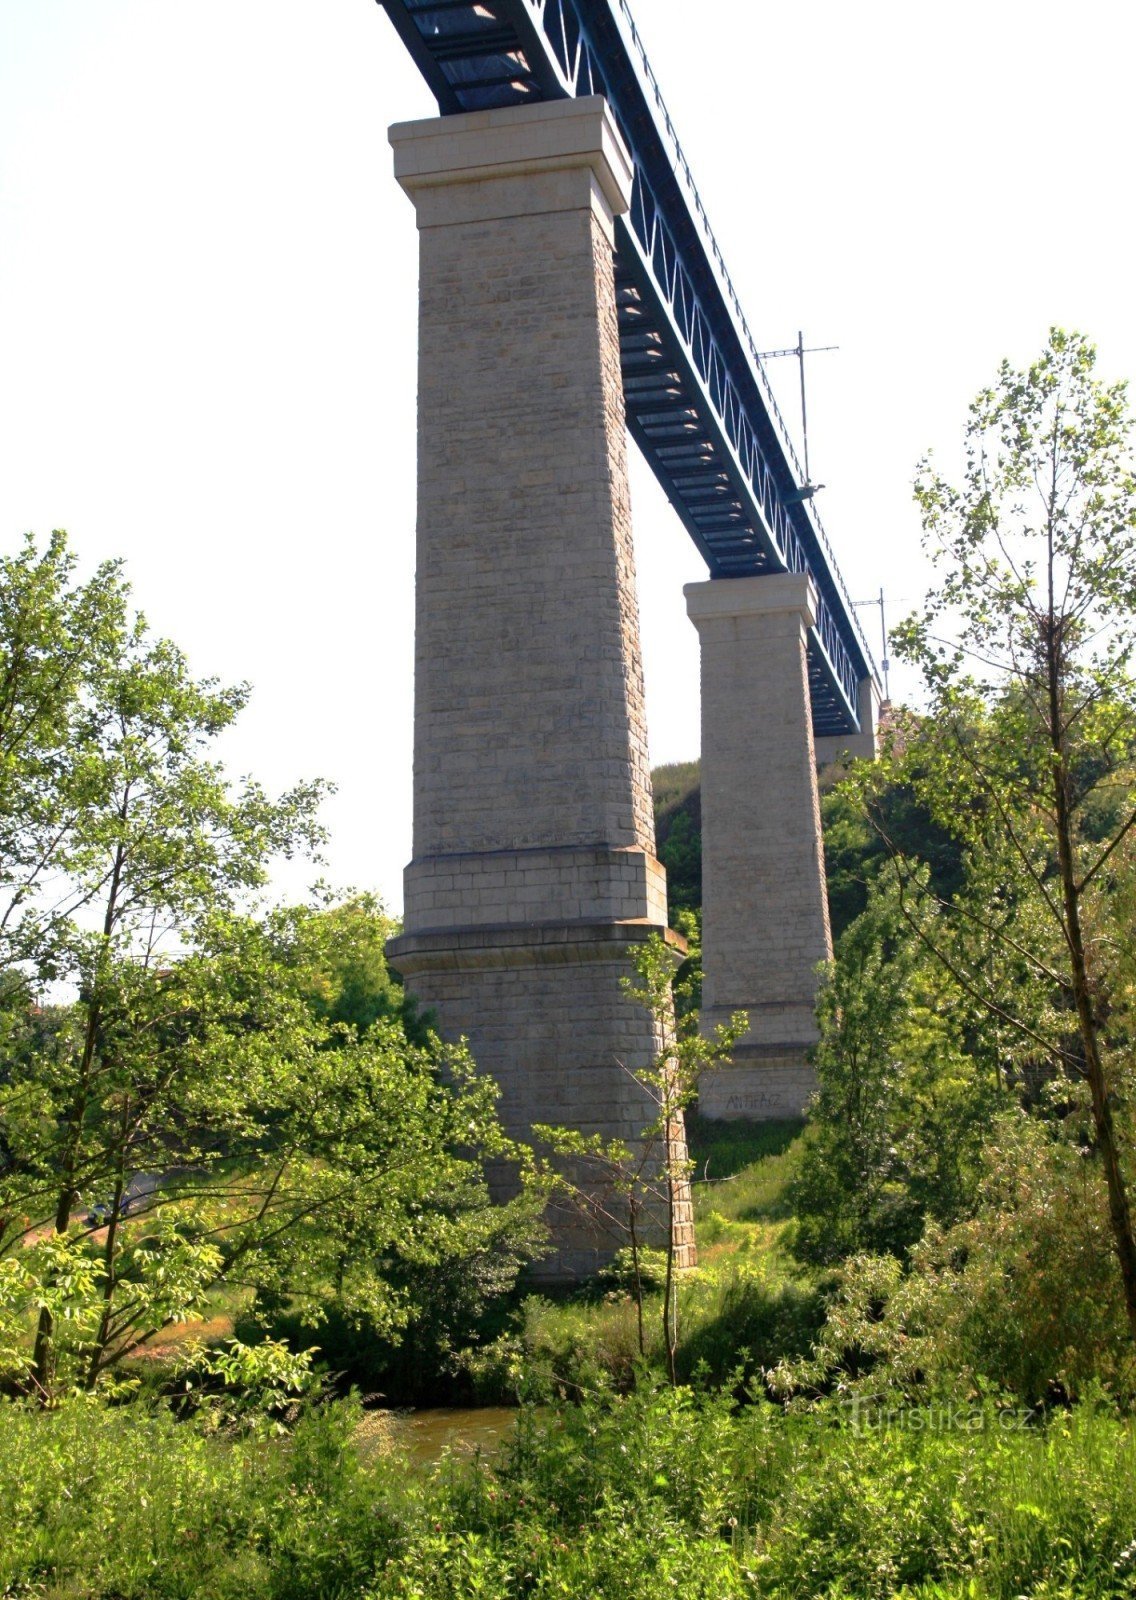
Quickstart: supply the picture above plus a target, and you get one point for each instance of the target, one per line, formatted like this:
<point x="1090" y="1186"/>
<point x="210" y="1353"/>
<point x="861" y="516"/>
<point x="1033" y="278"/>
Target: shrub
<point x="746" y="1321"/>
<point x="1024" y="1298"/>
<point x="245" y="1388"/>
<point x="901" y="1109"/>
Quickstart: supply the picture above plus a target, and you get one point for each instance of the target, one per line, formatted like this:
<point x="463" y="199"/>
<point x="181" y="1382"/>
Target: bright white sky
<point x="207" y="312"/>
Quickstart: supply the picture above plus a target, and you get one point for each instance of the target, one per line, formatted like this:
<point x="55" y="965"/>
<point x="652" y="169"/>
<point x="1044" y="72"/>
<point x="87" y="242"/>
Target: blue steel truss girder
<point x="699" y="405"/>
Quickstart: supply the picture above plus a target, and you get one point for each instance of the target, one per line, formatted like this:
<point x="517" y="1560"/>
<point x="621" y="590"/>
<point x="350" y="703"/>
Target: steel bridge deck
<point x="699" y="404"/>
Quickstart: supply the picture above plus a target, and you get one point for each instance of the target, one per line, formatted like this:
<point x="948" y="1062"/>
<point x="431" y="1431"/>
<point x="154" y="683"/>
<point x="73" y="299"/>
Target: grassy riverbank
<point x="747" y="1306"/>
<point x="627" y="1498"/>
<point x="629" y="1492"/>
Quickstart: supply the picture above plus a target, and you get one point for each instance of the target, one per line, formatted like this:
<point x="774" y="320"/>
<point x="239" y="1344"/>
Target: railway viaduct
<point x="571" y="292"/>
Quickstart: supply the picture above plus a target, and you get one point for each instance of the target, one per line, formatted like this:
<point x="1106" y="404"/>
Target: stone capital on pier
<point x="791" y="593"/>
<point x="559" y="155"/>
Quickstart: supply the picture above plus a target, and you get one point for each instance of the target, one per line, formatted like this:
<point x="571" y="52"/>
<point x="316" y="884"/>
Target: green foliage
<point x="721" y="1150"/>
<point x="447" y="1303"/>
<point x="681" y="854"/>
<point x="296" y="1160"/>
<point x="633" y="1190"/>
<point x="901" y="1109"/>
<point x="124" y="853"/>
<point x="667" y="1492"/>
<point x="624" y="1271"/>
<point x="678" y="832"/>
<point x="125" y="1504"/>
<point x="857" y="843"/>
<point x="964" y="1502"/>
<point x="571" y="1348"/>
<point x="744" y="1316"/>
<point x="1018" y="1300"/>
<point x="54" y="637"/>
<point x="1026" y="648"/>
<point x="55" y="1274"/>
<point x="854" y="850"/>
<point x="748" y="1303"/>
<point x="231" y="1097"/>
<point x="745" y="1320"/>
<point x="346" y="979"/>
<point x="244" y="1388"/>
<point x="993" y="969"/>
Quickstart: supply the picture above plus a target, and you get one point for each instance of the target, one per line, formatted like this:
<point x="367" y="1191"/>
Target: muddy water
<point x="423" y="1436"/>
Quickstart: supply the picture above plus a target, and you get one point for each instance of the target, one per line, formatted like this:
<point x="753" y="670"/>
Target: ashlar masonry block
<point x="764" y="906"/>
<point x="534" y="851"/>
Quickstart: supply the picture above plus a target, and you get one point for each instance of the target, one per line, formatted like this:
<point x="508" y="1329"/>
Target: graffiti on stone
<point x="760" y="1100"/>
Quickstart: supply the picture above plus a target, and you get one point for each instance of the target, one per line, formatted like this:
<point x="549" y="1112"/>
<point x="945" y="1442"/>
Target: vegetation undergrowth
<point x="748" y="1306"/>
<point x="663" y="1491"/>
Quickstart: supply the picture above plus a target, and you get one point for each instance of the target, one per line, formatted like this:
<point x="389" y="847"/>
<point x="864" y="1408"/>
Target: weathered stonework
<point x="764" y="906"/>
<point x="541" y="885"/>
<point x="534" y="850"/>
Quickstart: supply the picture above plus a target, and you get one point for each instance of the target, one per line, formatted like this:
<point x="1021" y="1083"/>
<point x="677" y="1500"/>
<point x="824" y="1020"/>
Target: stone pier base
<point x="545" y="1014"/>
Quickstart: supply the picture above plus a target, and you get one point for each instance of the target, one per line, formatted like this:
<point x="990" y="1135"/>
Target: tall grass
<point x="747" y="1307"/>
<point x="628" y="1498"/>
<point x="719" y="1150"/>
<point x="105" y="1502"/>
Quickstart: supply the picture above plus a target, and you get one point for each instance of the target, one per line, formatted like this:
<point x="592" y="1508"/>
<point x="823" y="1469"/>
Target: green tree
<point x="1018" y="1297"/>
<point x="347" y="980"/>
<point x="853" y="850"/>
<point x="681" y="854"/>
<point x="857" y="845"/>
<point x="902" y="1105"/>
<point x="55" y="634"/>
<point x="255" y="1071"/>
<point x="1025" y="648"/>
<point x="678" y="831"/>
<point x="120" y="838"/>
<point x="640" y="1190"/>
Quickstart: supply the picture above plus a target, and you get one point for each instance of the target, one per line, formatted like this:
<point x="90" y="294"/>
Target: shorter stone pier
<point x="764" y="905"/>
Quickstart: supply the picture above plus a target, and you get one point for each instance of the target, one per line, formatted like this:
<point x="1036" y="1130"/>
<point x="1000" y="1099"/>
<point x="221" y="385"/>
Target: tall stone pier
<point x="534" y="850"/>
<point x="764" y="905"/>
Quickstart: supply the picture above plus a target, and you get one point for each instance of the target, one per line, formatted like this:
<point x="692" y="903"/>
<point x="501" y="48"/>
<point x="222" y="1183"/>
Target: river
<point x="423" y="1436"/>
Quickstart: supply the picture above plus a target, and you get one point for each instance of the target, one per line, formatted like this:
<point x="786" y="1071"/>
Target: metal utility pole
<point x="885" y="664"/>
<point x="800" y="351"/>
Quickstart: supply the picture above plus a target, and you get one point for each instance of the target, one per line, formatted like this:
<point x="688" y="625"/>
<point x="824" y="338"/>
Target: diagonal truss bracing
<point x="699" y="404"/>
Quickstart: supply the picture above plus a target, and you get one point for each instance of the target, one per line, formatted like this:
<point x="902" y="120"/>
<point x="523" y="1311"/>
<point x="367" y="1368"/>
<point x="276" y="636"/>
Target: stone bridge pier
<point x="534" y="859"/>
<point x="764" y="904"/>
